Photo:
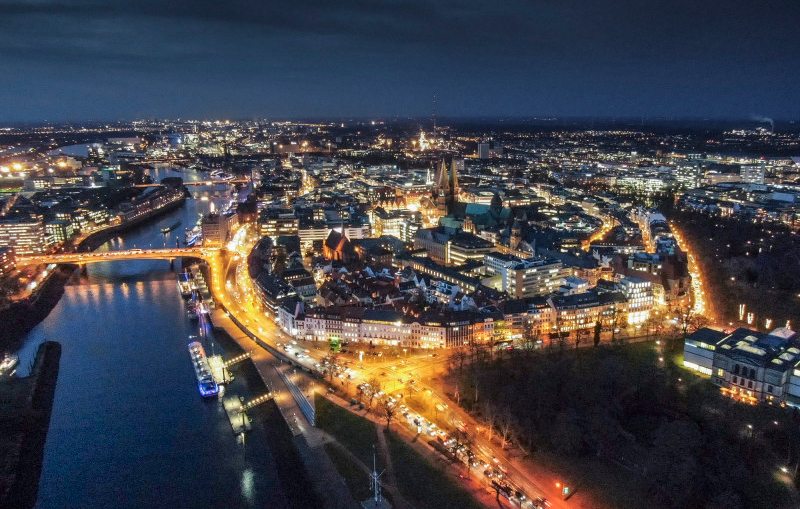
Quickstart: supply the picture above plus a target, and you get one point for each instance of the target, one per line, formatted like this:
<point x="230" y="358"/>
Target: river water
<point x="129" y="428"/>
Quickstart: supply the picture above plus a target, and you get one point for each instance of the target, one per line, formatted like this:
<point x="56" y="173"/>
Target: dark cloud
<point x="322" y="57"/>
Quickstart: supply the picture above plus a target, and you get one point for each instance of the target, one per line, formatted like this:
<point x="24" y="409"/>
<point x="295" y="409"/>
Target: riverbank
<point x="22" y="316"/>
<point x="306" y="442"/>
<point x="294" y="478"/>
<point x="25" y="408"/>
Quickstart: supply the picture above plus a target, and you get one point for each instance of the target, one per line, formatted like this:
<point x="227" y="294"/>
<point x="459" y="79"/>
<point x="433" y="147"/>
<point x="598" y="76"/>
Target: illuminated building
<point x="584" y="310"/>
<point x="402" y="224"/>
<point x="753" y="173"/>
<point x="483" y="150"/>
<point x="26" y="235"/>
<point x="451" y="248"/>
<point x="690" y="174"/>
<point x="639" y="293"/>
<point x="526" y="278"/>
<point x="446" y="185"/>
<point x="217" y="228"/>
<point x="7" y="261"/>
<point x="278" y="222"/>
<point x="58" y="231"/>
<point x="748" y="365"/>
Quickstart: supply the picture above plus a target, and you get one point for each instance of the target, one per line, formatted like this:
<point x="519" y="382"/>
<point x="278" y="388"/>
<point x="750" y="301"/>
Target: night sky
<point x="118" y="59"/>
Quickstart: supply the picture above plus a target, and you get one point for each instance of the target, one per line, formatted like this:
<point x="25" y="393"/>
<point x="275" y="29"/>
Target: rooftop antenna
<point x="375" y="485"/>
<point x="435" y="112"/>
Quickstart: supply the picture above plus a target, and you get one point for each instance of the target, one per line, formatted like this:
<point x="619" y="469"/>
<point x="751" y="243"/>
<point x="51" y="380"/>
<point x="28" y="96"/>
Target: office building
<point x="8" y="261"/>
<point x="26" y="235"/>
<point x="753" y="173"/>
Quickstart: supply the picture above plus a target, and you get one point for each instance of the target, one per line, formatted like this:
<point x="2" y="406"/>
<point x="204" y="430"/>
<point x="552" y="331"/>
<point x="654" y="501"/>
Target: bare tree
<point x="458" y="357"/>
<point x="333" y="365"/>
<point x="458" y="438"/>
<point x="386" y="409"/>
<point x="372" y="388"/>
<point x="489" y="414"/>
<point x="505" y="425"/>
<point x="578" y="337"/>
<point x="530" y="337"/>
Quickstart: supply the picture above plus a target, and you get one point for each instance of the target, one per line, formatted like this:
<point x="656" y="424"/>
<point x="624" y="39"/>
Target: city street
<point x="235" y="292"/>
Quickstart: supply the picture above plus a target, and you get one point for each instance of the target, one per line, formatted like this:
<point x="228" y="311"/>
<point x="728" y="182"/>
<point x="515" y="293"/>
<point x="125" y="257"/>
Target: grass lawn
<point x="357" y="481"/>
<point x="356" y="433"/>
<point x="423" y="483"/>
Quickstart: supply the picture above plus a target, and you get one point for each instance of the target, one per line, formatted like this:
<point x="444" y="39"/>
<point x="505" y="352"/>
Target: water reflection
<point x="128" y="428"/>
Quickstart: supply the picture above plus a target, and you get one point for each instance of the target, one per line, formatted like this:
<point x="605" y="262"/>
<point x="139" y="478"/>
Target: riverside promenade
<point x="273" y="368"/>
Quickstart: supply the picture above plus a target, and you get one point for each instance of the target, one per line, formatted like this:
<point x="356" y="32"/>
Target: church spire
<point x="453" y="178"/>
<point x="441" y="177"/>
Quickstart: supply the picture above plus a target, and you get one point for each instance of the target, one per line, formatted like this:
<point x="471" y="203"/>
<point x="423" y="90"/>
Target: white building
<point x="753" y="173"/>
<point x="639" y="294"/>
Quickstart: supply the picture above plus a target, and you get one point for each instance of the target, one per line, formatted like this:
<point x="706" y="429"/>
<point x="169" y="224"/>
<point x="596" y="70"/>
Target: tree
<point x="615" y="321"/>
<point x="372" y="388"/>
<point x="567" y="436"/>
<point x="332" y="361"/>
<point x="597" y="333"/>
<point x="672" y="467"/>
<point x="470" y="458"/>
<point x="458" y="438"/>
<point x="530" y="337"/>
<point x="578" y="337"/>
<point x="458" y="358"/>
<point x="489" y="414"/>
<point x="386" y="409"/>
<point x="279" y="267"/>
<point x="505" y="425"/>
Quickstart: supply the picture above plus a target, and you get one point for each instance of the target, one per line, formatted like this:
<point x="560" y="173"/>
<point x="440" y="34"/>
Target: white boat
<point x="202" y="370"/>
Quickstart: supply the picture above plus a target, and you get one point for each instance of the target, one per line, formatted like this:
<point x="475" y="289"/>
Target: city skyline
<point x="78" y="60"/>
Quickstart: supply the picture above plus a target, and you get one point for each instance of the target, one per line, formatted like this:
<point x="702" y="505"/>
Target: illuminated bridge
<point x="130" y="254"/>
<point x="202" y="183"/>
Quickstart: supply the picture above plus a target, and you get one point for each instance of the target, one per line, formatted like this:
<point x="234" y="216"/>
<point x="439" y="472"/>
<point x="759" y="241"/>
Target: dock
<point x="218" y="369"/>
<point x="240" y="421"/>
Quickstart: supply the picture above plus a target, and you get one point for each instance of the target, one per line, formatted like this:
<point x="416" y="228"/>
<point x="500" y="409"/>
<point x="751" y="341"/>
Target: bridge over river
<point x="130" y="254"/>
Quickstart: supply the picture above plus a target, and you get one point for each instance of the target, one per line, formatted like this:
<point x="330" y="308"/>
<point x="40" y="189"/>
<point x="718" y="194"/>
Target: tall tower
<point x="446" y="186"/>
<point x="454" y="165"/>
<point x="516" y="235"/>
<point x="435" y="114"/>
<point x="442" y="189"/>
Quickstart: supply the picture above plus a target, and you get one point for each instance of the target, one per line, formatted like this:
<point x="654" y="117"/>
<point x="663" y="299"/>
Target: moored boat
<point x="170" y="227"/>
<point x="202" y="370"/>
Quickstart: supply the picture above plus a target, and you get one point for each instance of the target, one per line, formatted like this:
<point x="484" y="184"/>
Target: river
<point x="129" y="428"/>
